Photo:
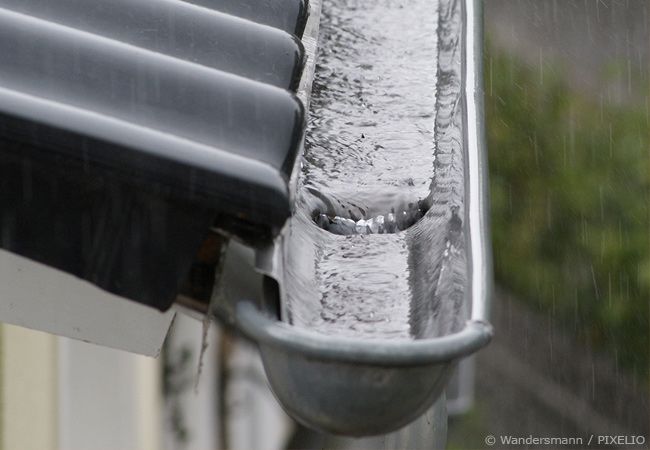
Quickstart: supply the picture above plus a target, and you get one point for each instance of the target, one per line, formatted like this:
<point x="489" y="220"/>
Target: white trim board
<point x="40" y="297"/>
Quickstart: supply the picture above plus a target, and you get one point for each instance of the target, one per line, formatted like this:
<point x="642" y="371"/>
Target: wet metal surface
<point x="384" y="144"/>
<point x="373" y="324"/>
<point x="181" y="30"/>
<point x="115" y="160"/>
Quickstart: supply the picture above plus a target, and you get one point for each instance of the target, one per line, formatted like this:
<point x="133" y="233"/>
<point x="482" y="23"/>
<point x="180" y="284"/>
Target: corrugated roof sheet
<point x="129" y="128"/>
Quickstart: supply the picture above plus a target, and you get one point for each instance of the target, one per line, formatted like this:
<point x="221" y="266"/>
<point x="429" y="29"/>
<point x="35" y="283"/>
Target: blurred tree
<point x="570" y="186"/>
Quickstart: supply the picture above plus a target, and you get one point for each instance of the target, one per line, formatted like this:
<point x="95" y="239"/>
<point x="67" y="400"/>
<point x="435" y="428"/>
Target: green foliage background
<point x="570" y="205"/>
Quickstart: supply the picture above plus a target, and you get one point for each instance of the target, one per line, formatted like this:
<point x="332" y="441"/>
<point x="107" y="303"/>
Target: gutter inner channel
<point x="376" y="248"/>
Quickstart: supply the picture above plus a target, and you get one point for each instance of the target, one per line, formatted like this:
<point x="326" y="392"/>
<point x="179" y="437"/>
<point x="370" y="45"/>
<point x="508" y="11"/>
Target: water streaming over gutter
<point x="384" y="141"/>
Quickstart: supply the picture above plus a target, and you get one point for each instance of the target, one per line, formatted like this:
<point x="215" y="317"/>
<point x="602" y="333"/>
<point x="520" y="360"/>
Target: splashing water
<point x="376" y="247"/>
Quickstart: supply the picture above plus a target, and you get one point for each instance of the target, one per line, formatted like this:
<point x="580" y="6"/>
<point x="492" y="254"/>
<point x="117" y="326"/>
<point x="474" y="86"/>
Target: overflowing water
<point x="376" y="248"/>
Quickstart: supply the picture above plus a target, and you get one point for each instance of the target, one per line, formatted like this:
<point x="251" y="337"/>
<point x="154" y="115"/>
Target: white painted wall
<point x="62" y="394"/>
<point x="29" y="394"/>
<point x="108" y="399"/>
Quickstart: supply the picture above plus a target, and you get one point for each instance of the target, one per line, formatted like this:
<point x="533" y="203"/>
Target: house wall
<point x="60" y="394"/>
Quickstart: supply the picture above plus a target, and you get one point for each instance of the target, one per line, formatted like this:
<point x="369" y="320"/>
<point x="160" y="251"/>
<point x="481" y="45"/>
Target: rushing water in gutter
<point x="370" y="140"/>
<point x="376" y="247"/>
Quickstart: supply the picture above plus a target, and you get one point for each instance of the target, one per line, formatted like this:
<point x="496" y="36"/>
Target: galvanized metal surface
<point x="428" y="432"/>
<point x="351" y="381"/>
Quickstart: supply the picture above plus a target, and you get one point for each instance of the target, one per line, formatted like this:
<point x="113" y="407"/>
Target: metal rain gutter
<point x="371" y="386"/>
